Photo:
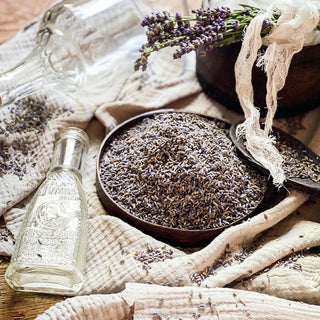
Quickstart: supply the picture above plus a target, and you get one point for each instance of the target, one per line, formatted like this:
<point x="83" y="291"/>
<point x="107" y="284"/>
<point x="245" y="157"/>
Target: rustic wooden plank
<point x="21" y="305"/>
<point x="15" y="14"/>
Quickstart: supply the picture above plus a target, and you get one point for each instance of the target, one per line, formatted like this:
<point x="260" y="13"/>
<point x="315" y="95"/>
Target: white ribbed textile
<point x="270" y="243"/>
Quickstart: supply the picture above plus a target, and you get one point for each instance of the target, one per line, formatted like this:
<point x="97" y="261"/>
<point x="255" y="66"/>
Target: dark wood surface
<point x="21" y="305"/>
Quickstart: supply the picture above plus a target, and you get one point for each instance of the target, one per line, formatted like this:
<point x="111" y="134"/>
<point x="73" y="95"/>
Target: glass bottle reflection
<point x="73" y="46"/>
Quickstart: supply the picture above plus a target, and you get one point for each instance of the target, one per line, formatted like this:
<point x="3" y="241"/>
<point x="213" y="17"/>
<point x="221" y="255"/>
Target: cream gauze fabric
<point x="294" y="29"/>
<point x="267" y="267"/>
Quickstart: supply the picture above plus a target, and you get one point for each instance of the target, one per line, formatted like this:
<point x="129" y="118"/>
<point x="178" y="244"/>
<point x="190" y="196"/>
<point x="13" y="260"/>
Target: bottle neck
<point x="70" y="149"/>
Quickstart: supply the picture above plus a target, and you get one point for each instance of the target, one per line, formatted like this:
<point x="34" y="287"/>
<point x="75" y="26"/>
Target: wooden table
<point x="14" y="14"/>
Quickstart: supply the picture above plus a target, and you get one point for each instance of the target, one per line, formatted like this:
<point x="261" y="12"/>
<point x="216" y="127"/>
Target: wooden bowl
<point x="181" y="237"/>
<point x="215" y="72"/>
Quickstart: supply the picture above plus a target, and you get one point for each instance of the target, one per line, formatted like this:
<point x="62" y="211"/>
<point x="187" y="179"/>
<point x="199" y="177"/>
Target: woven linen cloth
<point x="267" y="267"/>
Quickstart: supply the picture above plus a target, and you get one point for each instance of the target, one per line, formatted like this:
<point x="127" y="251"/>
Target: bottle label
<point x="52" y="233"/>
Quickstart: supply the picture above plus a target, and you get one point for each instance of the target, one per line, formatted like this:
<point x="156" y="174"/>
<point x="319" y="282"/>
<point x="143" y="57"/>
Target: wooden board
<point x="21" y="305"/>
<point x="14" y="14"/>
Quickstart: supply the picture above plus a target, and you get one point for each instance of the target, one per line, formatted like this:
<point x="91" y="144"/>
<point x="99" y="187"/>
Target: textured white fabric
<point x="265" y="242"/>
<point x="145" y="302"/>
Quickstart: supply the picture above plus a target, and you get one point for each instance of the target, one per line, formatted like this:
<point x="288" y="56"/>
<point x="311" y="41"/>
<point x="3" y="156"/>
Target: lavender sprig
<point x="207" y="28"/>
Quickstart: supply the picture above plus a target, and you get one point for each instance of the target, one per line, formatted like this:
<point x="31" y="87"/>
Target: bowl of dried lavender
<point x="177" y="176"/>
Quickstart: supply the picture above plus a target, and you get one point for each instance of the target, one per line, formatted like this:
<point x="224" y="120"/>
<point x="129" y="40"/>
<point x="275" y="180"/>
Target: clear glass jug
<point x="73" y="47"/>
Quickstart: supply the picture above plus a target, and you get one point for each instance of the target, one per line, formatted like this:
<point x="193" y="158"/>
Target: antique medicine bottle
<point x="50" y="251"/>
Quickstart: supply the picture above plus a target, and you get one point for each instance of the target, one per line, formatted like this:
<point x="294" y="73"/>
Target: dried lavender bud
<point x="235" y="25"/>
<point x="297" y="163"/>
<point x="246" y="11"/>
<point x="15" y="158"/>
<point x="152" y="254"/>
<point x="5" y="234"/>
<point x="25" y="117"/>
<point x="180" y="170"/>
<point x="211" y="28"/>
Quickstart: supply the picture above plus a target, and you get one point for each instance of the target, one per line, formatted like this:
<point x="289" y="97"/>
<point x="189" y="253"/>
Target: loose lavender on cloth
<point x="255" y="256"/>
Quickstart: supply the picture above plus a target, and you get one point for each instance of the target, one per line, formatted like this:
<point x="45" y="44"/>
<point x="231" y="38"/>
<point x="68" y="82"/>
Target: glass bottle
<point x="50" y="251"/>
<point x="73" y="47"/>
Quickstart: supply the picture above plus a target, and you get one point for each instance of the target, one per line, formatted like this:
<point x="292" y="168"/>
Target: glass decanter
<point x="73" y="47"/>
<point x="50" y="252"/>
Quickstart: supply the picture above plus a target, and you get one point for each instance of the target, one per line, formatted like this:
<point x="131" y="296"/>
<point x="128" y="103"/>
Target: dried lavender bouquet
<point x="207" y="28"/>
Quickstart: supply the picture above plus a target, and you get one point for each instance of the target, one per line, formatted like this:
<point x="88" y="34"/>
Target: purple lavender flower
<point x="210" y="28"/>
<point x="266" y="24"/>
<point x="235" y="25"/>
<point x="246" y="11"/>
